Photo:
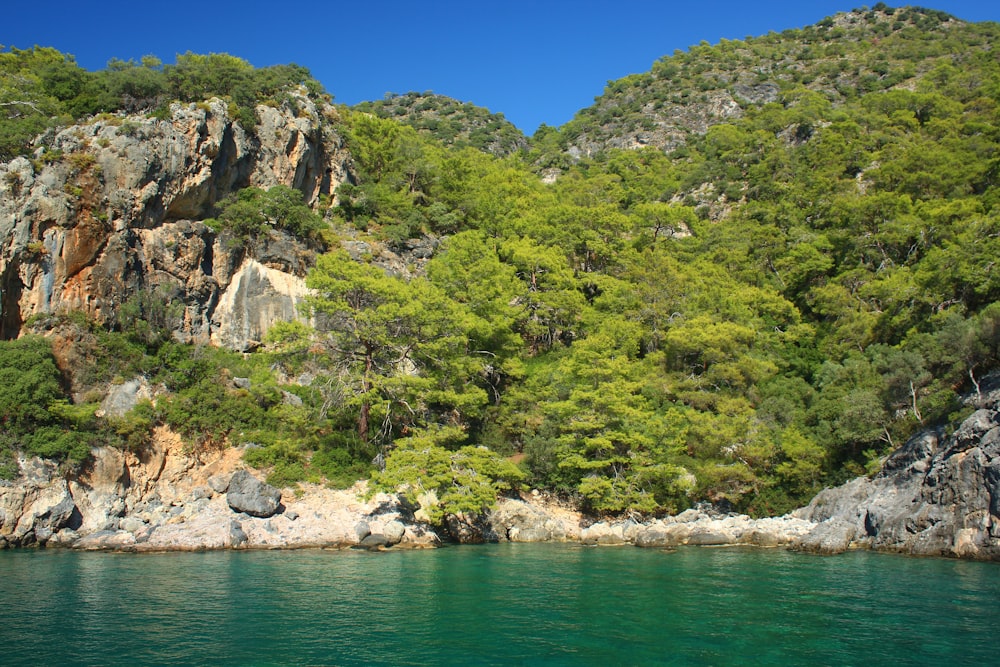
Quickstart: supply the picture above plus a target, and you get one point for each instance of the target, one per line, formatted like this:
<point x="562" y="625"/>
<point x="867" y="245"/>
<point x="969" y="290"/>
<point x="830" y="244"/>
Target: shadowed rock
<point x="374" y="542"/>
<point x="935" y="496"/>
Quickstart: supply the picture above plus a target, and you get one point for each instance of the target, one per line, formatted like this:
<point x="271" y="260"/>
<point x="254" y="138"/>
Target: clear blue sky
<point x="536" y="61"/>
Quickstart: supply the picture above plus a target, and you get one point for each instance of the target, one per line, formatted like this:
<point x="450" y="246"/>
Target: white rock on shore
<point x="167" y="499"/>
<point x="175" y="502"/>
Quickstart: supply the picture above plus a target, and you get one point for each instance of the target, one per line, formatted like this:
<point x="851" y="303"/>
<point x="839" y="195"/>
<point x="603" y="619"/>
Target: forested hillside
<point x="450" y="121"/>
<point x="670" y="299"/>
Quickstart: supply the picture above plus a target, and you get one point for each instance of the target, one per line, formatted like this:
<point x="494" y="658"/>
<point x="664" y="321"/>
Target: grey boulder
<point x="249" y="495"/>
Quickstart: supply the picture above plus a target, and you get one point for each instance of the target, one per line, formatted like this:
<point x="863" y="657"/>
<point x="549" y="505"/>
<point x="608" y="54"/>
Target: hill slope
<point x="450" y="121"/>
<point x="842" y="58"/>
<point x="771" y="307"/>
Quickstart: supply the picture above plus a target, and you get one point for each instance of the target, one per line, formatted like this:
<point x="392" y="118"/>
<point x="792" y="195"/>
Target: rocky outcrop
<point x="540" y="520"/>
<point x="255" y="298"/>
<point x="937" y="496"/>
<point x="168" y="499"/>
<point x="123" y="397"/>
<point x="705" y="527"/>
<point x="114" y="207"/>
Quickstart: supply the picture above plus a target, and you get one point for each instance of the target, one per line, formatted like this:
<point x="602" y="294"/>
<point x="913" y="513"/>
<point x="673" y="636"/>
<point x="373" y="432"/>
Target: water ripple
<point x="496" y="604"/>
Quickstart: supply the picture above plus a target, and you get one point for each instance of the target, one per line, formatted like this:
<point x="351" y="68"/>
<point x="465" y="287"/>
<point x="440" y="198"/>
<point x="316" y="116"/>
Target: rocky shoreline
<point x="936" y="495"/>
<point x="237" y="511"/>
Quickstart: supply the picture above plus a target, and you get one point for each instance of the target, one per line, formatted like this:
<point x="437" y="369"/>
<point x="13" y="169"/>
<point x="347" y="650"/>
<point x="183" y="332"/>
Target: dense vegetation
<point x="34" y="412"/>
<point x="453" y="123"/>
<point x="252" y="212"/>
<point x="843" y="58"/>
<point x="770" y="305"/>
<point x="210" y="396"/>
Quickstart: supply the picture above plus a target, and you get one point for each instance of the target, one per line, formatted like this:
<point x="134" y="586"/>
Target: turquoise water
<point x="496" y="604"/>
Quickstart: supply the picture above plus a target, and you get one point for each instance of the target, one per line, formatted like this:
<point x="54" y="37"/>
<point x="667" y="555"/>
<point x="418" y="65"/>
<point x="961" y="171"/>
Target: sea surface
<point x="504" y="604"/>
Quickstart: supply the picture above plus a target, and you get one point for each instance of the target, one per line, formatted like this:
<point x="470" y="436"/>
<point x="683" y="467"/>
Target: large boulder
<point x="420" y="536"/>
<point x="374" y="542"/>
<point x="604" y="533"/>
<point x="106" y="540"/>
<point x="518" y="521"/>
<point x="656" y="536"/>
<point x="833" y="536"/>
<point x="123" y="397"/>
<point x="249" y="495"/>
<point x="43" y="513"/>
<point x="394" y="531"/>
<point x="207" y="530"/>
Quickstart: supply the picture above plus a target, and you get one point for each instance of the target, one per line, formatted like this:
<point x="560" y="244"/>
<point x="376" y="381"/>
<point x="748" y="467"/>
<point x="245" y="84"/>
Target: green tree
<point x="28" y="79"/>
<point x="251" y="211"/>
<point x="400" y="346"/>
<point x="551" y="301"/>
<point x="35" y="414"/>
<point x="29" y="383"/>
<point x="611" y="445"/>
<point x="443" y="481"/>
<point x="469" y="269"/>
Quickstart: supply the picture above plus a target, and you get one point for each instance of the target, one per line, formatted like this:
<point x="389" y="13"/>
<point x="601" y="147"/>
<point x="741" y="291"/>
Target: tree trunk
<point x="916" y="410"/>
<point x="975" y="383"/>
<point x="365" y="388"/>
<point x="363" y="422"/>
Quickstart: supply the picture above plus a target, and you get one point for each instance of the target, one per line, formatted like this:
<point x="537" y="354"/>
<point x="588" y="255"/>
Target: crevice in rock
<point x="75" y="518"/>
<point x="11" y="288"/>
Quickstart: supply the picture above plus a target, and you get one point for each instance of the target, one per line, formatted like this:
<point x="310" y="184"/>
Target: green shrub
<point x="340" y="468"/>
<point x="252" y="211"/>
<point x="81" y="161"/>
<point x="286" y="461"/>
<point x="8" y="462"/>
<point x="286" y="474"/>
<point x="445" y="482"/>
<point x="58" y="442"/>
<point x="131" y="431"/>
<point x="29" y="384"/>
<point x="210" y="412"/>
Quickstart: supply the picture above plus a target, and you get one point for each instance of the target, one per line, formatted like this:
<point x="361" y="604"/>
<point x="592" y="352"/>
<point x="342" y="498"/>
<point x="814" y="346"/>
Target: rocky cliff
<point x="935" y="496"/>
<point x="113" y="207"/>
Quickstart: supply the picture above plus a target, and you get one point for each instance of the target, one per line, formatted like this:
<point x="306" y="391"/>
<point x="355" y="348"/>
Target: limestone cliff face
<point x="115" y="206"/>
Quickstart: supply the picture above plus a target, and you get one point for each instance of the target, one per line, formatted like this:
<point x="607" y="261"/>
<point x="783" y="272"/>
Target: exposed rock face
<point x="934" y="496"/>
<point x="542" y="521"/>
<point x="669" y="127"/>
<point x="168" y="499"/>
<point x="119" y="212"/>
<point x="519" y="521"/>
<point x="256" y="297"/>
<point x="470" y="529"/>
<point x="123" y="397"/>
<point x="705" y="527"/>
